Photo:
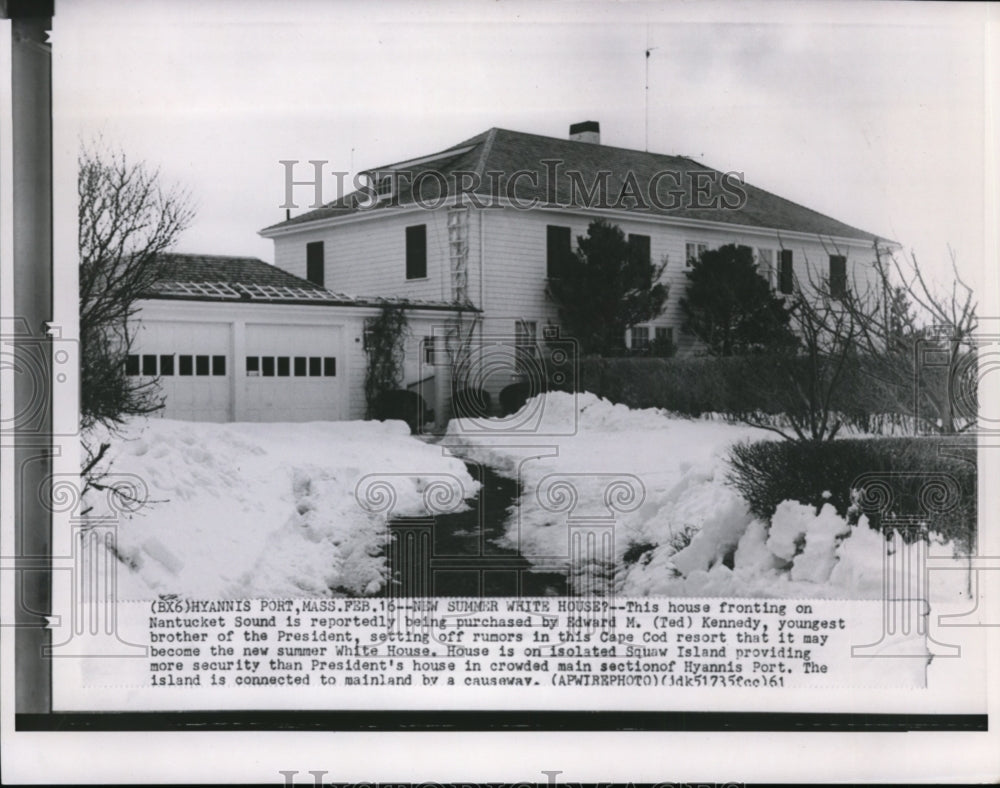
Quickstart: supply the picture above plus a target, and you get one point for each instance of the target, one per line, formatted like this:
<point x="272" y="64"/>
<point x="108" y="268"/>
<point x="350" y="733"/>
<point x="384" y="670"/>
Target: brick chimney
<point x="587" y="131"/>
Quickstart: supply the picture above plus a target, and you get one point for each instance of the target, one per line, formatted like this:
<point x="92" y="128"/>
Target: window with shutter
<point x="639" y="247"/>
<point x="314" y="262"/>
<point x="557" y="249"/>
<point x="416" y="251"/>
<point x="838" y="275"/>
<point x="786" y="280"/>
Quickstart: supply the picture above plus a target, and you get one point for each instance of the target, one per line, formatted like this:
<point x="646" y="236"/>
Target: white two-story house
<point x="465" y="239"/>
<point x="481" y="223"/>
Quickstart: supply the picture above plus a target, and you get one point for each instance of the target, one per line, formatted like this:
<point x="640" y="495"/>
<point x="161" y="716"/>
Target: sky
<point x="873" y="113"/>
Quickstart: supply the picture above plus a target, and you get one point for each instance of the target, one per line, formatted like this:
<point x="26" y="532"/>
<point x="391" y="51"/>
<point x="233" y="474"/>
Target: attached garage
<point x="236" y="339"/>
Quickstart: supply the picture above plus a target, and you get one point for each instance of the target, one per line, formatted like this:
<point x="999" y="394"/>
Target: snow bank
<point x="264" y="510"/>
<point x="688" y="533"/>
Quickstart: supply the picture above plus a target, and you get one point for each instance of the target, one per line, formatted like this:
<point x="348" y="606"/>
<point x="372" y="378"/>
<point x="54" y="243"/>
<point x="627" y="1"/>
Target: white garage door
<point x="192" y="361"/>
<point x="293" y="373"/>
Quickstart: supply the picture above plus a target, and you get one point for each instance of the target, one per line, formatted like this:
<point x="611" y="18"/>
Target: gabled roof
<point x="509" y="152"/>
<point x="201" y="277"/>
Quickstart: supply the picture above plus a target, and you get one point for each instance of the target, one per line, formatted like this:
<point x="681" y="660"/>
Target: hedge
<point x="930" y="479"/>
<point x="739" y="385"/>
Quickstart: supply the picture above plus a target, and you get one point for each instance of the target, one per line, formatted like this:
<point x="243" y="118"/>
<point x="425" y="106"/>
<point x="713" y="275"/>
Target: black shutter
<point x="314" y="262"/>
<point x="557" y="249"/>
<point x="786" y="282"/>
<point x="416" y="252"/>
<point x="838" y="275"/>
<point x="639" y="248"/>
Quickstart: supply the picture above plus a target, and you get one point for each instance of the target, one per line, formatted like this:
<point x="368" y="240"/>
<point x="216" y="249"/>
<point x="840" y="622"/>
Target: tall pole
<point x="647" y="96"/>
<point x="649" y="49"/>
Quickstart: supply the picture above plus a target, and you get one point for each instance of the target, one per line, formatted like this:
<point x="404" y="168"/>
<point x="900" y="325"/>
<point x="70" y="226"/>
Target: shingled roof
<point x="508" y="152"/>
<point x="202" y="277"/>
<point x="231" y="270"/>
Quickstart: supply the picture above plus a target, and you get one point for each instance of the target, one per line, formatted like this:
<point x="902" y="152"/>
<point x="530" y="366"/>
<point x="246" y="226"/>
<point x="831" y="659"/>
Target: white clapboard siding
<point x="367" y="256"/>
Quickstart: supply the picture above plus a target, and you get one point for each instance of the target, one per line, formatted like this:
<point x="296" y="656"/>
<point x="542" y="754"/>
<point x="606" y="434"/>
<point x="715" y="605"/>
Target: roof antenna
<point x="648" y="50"/>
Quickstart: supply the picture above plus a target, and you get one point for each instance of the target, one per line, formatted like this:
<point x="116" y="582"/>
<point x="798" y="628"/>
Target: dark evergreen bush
<point x="928" y="479"/>
<point x="514" y="396"/>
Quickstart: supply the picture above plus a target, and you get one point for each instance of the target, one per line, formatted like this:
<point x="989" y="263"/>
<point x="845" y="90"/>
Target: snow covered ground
<point x="688" y="533"/>
<point x="264" y="510"/>
<point x="269" y="510"/>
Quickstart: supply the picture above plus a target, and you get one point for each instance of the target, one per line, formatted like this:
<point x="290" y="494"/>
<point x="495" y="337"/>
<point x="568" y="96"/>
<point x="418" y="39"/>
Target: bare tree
<point x="949" y="332"/>
<point x="917" y="341"/>
<point x="804" y="386"/>
<point x="127" y="218"/>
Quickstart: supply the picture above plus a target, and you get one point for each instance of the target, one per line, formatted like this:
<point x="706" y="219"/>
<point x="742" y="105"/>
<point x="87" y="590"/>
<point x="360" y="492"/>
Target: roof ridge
<point x="214" y="256"/>
<point x="484" y="154"/>
<point x="471" y="141"/>
<point x="601" y="145"/>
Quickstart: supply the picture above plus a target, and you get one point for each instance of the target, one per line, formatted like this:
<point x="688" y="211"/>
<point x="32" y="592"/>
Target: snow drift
<point x="264" y="510"/>
<point x="689" y="532"/>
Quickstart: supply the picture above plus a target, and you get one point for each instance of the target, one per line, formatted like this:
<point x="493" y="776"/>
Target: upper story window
<point x="314" y="262"/>
<point x="786" y="277"/>
<point x="639" y="247"/>
<point x="765" y="264"/>
<point x="838" y="275"/>
<point x="693" y="251"/>
<point x="416" y="251"/>
<point x="557" y="249"/>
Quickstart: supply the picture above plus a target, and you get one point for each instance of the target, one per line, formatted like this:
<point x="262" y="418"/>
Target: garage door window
<point x="219" y="365"/>
<point x="185" y="365"/>
<point x="282" y="366"/>
<point x="201" y="365"/>
<point x="166" y="365"/>
<point x="132" y="365"/>
<point x="149" y="365"/>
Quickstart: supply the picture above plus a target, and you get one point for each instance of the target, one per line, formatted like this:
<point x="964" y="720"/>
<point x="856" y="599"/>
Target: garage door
<point x="293" y="373"/>
<point x="192" y="361"/>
